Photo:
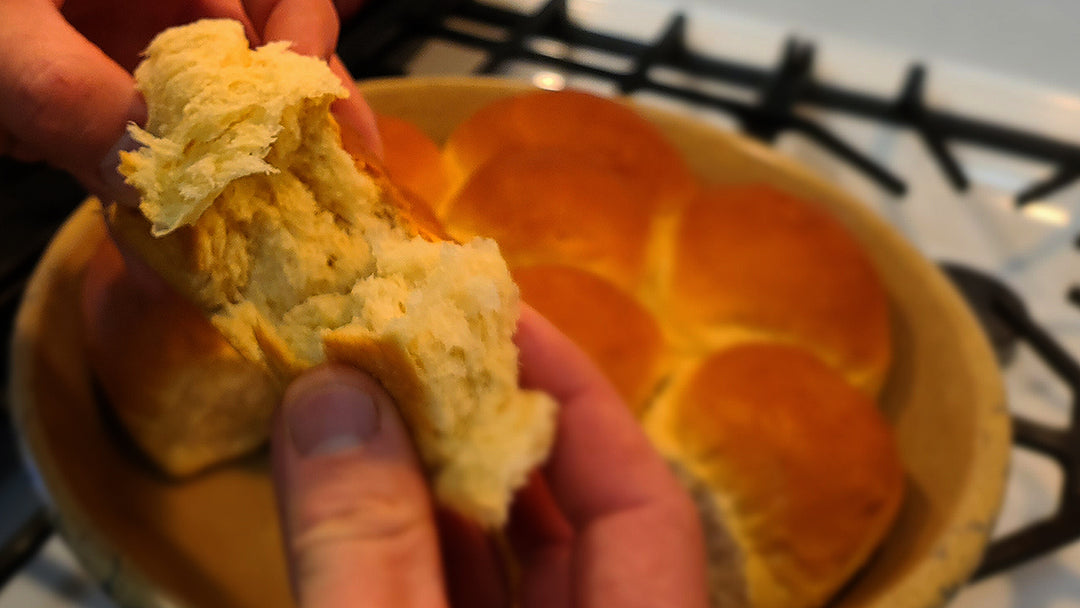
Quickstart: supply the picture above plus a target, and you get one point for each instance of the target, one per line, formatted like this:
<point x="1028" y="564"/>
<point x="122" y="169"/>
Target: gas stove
<point x="966" y="142"/>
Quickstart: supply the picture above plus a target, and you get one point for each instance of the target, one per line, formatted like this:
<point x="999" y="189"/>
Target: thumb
<point x="356" y="513"/>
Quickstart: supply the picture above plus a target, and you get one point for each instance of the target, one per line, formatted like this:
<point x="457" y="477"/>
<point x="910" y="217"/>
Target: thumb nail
<point x="118" y="190"/>
<point x="329" y="417"/>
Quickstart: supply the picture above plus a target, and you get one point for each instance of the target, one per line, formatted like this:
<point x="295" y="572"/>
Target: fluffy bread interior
<point x="298" y="254"/>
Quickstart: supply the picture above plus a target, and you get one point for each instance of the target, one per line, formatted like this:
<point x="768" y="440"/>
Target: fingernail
<point x="119" y="190"/>
<point x="329" y="418"/>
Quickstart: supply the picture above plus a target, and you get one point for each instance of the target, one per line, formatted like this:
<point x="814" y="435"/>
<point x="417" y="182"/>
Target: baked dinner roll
<point x="552" y="206"/>
<point x="752" y="262"/>
<point x="413" y="162"/>
<point x="609" y="325"/>
<point x="187" y="399"/>
<point x="802" y="467"/>
<point x="575" y="122"/>
<point x="299" y="254"/>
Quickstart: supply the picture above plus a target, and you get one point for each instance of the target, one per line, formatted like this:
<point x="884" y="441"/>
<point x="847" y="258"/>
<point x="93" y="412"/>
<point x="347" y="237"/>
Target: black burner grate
<point x="1007" y="322"/>
<point x="382" y="39"/>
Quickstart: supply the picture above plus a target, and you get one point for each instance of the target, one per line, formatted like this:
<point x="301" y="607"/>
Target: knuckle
<point x="351" y="514"/>
<point x="50" y="97"/>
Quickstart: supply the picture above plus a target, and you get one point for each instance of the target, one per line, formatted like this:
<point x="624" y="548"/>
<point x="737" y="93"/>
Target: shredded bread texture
<point x="300" y="254"/>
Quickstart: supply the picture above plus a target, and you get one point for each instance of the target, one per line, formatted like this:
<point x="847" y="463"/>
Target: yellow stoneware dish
<point x="212" y="540"/>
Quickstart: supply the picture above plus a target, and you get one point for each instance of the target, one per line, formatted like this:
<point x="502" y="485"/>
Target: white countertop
<point x="1032" y="40"/>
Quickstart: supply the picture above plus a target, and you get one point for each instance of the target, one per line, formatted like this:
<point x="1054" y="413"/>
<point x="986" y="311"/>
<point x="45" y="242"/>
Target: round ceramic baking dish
<point x="213" y="540"/>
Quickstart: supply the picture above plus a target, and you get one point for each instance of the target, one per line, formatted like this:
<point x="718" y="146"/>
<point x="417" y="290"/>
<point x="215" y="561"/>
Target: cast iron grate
<point x="1006" y="320"/>
<point x="381" y="40"/>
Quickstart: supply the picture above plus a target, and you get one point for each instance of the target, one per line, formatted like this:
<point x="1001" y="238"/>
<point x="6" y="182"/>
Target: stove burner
<point x="988" y="297"/>
<point x="1059" y="180"/>
<point x="1008" y="323"/>
<point x="912" y="107"/>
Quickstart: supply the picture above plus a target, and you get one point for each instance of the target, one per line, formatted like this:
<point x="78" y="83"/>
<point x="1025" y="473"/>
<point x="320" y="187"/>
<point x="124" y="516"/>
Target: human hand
<point x="66" y="90"/>
<point x="604" y="524"/>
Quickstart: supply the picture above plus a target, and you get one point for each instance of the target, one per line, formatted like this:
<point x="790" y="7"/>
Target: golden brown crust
<point x="577" y="215"/>
<point x="281" y="361"/>
<point x="630" y="146"/>
<point x="185" y="396"/>
<point x="546" y="206"/>
<point x="807" y="466"/>
<point x="421" y="217"/>
<point x="413" y="161"/>
<point x="607" y="323"/>
<point x="755" y="258"/>
<point x="413" y="213"/>
<point x="170" y="256"/>
<point x="390" y="364"/>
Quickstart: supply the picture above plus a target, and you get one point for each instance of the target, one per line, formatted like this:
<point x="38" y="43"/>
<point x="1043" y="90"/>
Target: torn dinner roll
<point x="300" y="254"/>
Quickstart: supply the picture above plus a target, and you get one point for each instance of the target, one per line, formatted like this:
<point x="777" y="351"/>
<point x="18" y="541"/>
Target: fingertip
<point x="113" y="187"/>
<point x="342" y="399"/>
<point x="353" y="113"/>
<point x="551" y="362"/>
<point x="590" y="474"/>
<point x="333" y="375"/>
<point x="310" y="25"/>
<point x="325" y="416"/>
